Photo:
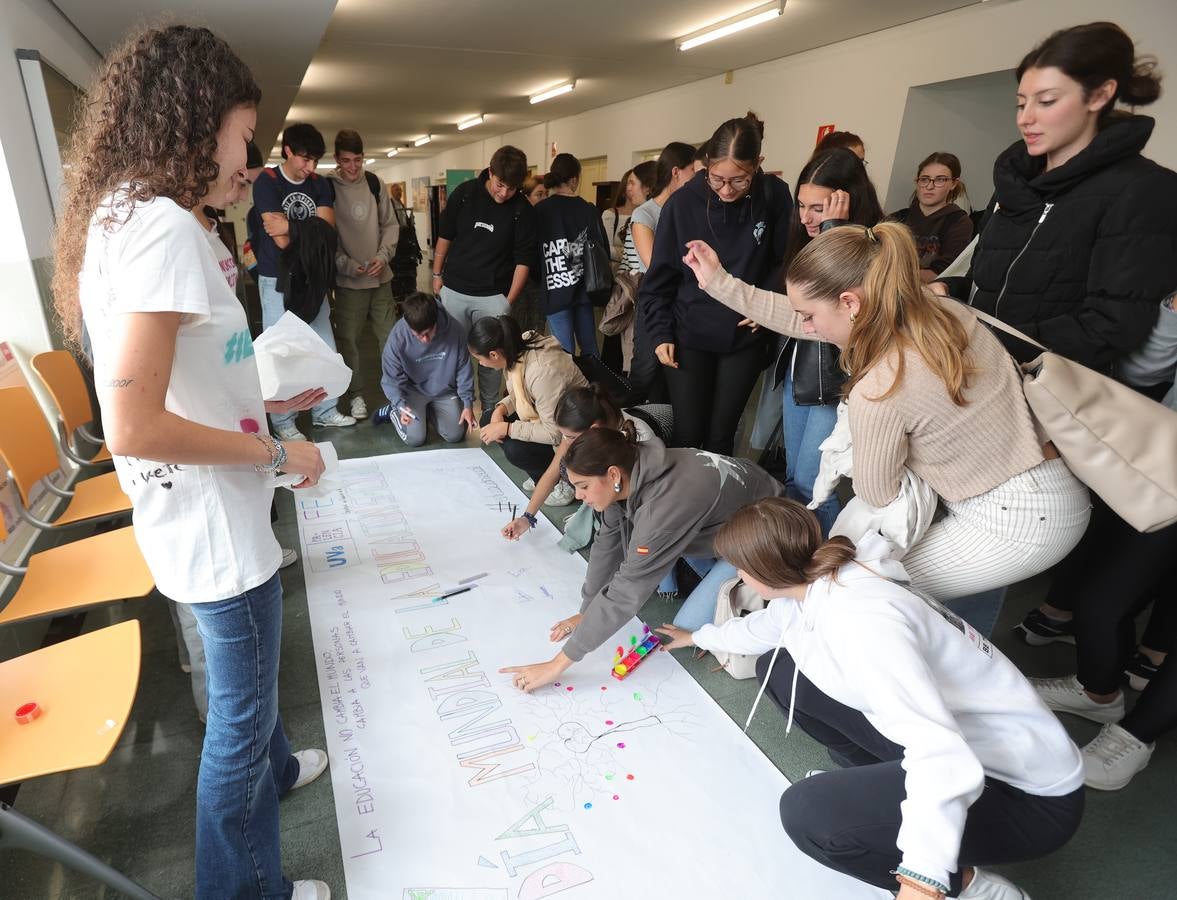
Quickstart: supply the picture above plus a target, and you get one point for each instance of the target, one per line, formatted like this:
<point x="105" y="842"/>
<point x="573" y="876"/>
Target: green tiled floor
<point x="137" y="810"/>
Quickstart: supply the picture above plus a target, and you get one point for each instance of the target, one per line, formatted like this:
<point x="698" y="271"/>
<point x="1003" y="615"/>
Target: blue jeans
<point x="700" y="565"/>
<point x="805" y="428"/>
<point x="578" y="319"/>
<point x="699" y="608"/>
<point x="246" y="764"/>
<point x="273" y="307"/>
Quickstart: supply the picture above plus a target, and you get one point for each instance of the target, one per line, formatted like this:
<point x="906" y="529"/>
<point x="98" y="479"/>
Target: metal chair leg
<point x="16" y="831"/>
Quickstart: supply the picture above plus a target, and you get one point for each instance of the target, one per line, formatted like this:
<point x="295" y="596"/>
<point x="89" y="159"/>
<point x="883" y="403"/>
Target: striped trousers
<point x="1012" y="532"/>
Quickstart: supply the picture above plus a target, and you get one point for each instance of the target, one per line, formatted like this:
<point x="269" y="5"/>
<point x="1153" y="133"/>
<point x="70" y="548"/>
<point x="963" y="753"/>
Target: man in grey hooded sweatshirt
<point x="368" y="234"/>
<point x="427" y="373"/>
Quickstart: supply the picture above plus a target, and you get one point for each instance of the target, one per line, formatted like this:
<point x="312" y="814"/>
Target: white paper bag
<point x="291" y="359"/>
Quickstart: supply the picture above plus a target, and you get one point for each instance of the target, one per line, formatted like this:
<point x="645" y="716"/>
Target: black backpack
<point x="407" y="258"/>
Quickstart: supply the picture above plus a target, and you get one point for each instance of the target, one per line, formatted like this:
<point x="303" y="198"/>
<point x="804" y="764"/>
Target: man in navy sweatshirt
<point x="427" y="372"/>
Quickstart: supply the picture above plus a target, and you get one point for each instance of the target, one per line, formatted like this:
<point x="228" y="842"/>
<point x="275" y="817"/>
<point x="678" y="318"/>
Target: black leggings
<point x="1108" y="578"/>
<point x="709" y="392"/>
<point x="529" y="456"/>
<point x="848" y="819"/>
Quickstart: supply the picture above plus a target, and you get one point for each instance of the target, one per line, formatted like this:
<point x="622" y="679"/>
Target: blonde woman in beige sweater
<point x="931" y="389"/>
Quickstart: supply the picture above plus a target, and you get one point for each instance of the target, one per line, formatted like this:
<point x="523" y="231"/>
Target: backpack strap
<point x="373" y="184"/>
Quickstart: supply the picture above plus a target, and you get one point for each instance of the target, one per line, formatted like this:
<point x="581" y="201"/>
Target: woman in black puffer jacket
<point x="1078" y="250"/>
<point x="1079" y="243"/>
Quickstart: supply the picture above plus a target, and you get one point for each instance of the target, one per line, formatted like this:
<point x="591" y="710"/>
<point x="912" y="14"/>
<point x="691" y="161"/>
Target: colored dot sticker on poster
<point x="621" y="746"/>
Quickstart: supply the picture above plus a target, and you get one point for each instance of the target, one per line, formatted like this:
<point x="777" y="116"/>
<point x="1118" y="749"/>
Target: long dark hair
<point x="583" y="407"/>
<point x="619" y="196"/>
<point x="675" y="155"/>
<point x="840" y="170"/>
<point x="501" y="333"/>
<point x="599" y="448"/>
<point x="148" y="129"/>
<point x="1094" y="53"/>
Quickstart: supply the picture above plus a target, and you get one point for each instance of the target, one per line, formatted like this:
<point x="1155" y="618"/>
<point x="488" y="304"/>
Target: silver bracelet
<point x="277" y="454"/>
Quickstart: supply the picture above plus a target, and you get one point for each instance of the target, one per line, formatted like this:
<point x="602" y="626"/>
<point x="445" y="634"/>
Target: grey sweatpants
<point x="467" y="310"/>
<point x="445" y="411"/>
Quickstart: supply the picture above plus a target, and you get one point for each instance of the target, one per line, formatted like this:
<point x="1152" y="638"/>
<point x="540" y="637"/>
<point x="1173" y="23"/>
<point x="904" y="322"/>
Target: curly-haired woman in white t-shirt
<point x="165" y="131"/>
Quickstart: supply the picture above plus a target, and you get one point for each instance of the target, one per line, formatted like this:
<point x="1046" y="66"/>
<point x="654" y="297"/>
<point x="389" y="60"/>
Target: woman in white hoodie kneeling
<point x="951" y="759"/>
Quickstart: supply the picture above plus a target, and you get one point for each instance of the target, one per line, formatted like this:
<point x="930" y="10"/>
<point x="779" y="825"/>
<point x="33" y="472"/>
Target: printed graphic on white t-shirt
<point x="203" y="530"/>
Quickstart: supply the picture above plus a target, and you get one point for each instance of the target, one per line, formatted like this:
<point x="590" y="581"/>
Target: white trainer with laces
<point x="562" y="494"/>
<point x="991" y="886"/>
<point x="311" y="764"/>
<point x="1067" y="695"/>
<point x="288" y="432"/>
<point x="1113" y="758"/>
<point x="528" y="485"/>
<point x="289" y="558"/>
<point x="332" y="419"/>
<point x="311" y="890"/>
<point x="359" y="409"/>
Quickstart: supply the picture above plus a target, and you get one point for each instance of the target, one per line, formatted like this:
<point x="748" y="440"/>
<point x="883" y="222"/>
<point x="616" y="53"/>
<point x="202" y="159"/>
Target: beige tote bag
<point x="1118" y="442"/>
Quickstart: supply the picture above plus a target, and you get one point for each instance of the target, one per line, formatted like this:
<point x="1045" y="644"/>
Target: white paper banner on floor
<point x="450" y="784"/>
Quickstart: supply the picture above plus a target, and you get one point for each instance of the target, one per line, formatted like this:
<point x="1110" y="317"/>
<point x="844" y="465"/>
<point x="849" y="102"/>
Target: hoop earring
<point x="852" y="315"/>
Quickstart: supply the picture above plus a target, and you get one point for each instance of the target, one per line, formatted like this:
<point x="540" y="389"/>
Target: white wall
<point x="24" y="196"/>
<point x="860" y="85"/>
<point x="966" y="116"/>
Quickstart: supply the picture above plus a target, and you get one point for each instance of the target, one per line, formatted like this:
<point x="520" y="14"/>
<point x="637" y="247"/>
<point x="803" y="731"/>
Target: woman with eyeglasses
<point x="941" y="228"/>
<point x="712" y="355"/>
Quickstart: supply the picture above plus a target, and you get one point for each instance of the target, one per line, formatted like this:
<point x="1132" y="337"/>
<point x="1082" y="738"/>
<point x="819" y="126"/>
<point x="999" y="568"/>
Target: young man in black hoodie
<point x="485" y="248"/>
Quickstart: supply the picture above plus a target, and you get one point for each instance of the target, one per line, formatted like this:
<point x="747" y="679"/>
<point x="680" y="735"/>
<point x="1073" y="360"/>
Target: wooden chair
<point x="59" y="372"/>
<point x="88" y="572"/>
<point x="84" y="688"/>
<point x="30" y="453"/>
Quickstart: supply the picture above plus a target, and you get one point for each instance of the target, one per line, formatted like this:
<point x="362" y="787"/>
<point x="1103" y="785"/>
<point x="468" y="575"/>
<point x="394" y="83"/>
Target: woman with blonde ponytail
<point x="948" y="758"/>
<point x="929" y="389"/>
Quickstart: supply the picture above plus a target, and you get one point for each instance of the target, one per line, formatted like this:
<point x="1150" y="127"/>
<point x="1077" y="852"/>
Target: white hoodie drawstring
<point x="768" y="675"/>
<point x="764" y="684"/>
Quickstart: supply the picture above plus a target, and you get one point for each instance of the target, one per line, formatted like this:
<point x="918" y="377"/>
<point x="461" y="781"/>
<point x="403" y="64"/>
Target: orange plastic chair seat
<point x="94" y="570"/>
<point x="84" y="687"/>
<point x="101" y="456"/>
<point x="101" y="495"/>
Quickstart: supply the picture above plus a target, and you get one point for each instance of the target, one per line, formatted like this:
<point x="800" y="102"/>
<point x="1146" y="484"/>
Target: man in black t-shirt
<point x="485" y="247"/>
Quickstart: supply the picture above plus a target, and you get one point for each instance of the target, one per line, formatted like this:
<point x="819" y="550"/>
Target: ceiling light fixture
<point x="423" y="140"/>
<point x="766" y="12"/>
<point x="368" y="162"/>
<point x="553" y="92"/>
<point x="391" y="153"/>
<point x="469" y="123"/>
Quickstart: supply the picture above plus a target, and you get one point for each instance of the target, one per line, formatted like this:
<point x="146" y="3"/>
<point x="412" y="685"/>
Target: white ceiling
<point x="397" y="70"/>
<point x="276" y="42"/>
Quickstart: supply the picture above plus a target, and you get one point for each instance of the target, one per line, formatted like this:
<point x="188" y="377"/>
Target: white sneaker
<point x="359" y="409"/>
<point x="1067" y="695"/>
<point x="1113" y="758"/>
<point x="528" y="485"/>
<point x="332" y="419"/>
<point x="288" y="432"/>
<point x="562" y="494"/>
<point x="311" y="764"/>
<point x="991" y="886"/>
<point x="311" y="890"/>
<point x="289" y="558"/>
